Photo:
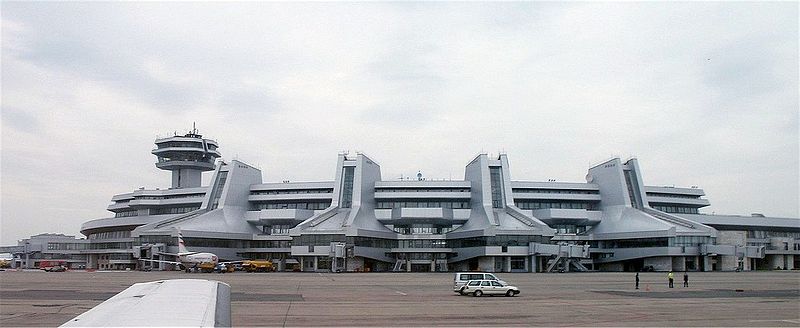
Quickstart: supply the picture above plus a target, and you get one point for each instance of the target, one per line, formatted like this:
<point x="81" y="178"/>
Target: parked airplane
<point x="191" y="260"/>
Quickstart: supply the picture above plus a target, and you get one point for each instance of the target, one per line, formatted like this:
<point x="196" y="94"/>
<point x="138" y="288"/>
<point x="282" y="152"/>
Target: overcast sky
<point x="702" y="94"/>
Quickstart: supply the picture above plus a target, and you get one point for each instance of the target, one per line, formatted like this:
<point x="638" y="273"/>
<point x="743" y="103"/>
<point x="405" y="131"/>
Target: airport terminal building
<point x="357" y="221"/>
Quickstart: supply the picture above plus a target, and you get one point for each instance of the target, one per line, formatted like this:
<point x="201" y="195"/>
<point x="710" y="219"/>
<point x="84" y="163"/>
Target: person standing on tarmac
<point x="685" y="279"/>
<point x="671" y="277"/>
<point x="637" y="280"/>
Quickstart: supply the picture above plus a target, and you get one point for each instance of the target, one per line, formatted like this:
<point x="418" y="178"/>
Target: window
<point x="347" y="187"/>
<point x="496" y="284"/>
<point x="474" y="283"/>
<point x="485" y="283"/>
<point x="496" y="181"/>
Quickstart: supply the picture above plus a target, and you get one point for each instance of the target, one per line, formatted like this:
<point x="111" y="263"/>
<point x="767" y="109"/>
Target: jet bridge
<point x="563" y="257"/>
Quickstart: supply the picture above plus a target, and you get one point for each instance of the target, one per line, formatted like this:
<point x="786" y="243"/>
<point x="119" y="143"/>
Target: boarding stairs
<point x="566" y="264"/>
<point x="400" y="265"/>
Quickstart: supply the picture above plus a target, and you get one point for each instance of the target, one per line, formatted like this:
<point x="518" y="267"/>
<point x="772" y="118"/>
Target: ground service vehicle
<point x="460" y="279"/>
<point x="53" y="266"/>
<point x="257" y="265"/>
<point x="489" y="287"/>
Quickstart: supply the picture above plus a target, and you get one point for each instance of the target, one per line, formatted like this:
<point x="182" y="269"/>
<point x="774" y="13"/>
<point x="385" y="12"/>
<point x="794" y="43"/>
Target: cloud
<point x="703" y="93"/>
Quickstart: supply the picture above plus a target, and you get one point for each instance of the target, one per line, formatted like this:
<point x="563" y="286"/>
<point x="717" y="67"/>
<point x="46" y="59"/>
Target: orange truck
<point x="257" y="266"/>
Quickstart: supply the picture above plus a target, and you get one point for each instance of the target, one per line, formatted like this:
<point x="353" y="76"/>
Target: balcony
<point x="281" y="216"/>
<point x="436" y="215"/>
<point x="553" y="216"/>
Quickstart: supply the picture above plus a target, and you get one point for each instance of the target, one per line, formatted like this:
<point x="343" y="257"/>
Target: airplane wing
<point x="165" y="303"/>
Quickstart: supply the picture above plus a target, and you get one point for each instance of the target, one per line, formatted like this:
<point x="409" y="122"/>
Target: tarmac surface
<point x="36" y="298"/>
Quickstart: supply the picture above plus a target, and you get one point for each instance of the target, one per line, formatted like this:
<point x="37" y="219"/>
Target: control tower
<point x="187" y="157"/>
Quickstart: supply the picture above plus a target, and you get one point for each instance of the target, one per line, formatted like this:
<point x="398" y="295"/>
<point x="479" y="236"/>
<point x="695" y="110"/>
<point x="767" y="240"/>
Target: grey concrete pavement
<point x="426" y="299"/>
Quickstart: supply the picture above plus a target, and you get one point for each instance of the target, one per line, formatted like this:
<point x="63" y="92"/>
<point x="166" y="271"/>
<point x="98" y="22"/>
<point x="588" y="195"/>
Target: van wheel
<point x="510" y="293"/>
<point x="477" y="293"/>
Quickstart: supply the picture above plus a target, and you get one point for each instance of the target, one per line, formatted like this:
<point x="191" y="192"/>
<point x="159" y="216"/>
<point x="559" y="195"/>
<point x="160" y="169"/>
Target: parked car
<point x="460" y="279"/>
<point x="479" y="288"/>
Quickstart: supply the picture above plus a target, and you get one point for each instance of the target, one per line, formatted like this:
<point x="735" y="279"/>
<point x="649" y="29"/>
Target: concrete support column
<point x="315" y="263"/>
<point x="789" y="262"/>
<point x="707" y="263"/>
<point x="678" y="263"/>
<point x="408" y="262"/>
<point x="507" y="265"/>
<point x="776" y="261"/>
<point x="433" y="264"/>
<point x="534" y="263"/>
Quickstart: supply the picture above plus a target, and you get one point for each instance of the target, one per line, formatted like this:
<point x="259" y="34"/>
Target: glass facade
<point x="347" y="187"/>
<point x="632" y="243"/>
<point x="423" y="229"/>
<point x="110" y="234"/>
<point x="675" y="209"/>
<point x="538" y="204"/>
<point x="496" y="179"/>
<point x="423" y="204"/>
<point x="555" y="191"/>
<point x="430" y="189"/>
<point x="173" y="210"/>
<point x="303" y="205"/>
<point x="292" y="191"/>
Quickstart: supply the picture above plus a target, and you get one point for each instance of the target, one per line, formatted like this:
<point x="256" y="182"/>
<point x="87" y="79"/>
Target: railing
<point x="669" y="218"/>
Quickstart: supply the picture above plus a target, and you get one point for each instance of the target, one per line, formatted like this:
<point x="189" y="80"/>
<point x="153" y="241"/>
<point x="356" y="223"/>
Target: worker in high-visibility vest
<point x="671" y="277"/>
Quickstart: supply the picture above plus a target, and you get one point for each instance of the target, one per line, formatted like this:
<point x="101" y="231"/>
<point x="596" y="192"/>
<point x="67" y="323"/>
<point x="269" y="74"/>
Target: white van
<point x="461" y="278"/>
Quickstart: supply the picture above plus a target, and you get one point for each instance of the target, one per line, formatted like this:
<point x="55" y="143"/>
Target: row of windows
<point x="652" y="194"/>
<point x="767" y="234"/>
<point x="270" y="244"/>
<point x="500" y="240"/>
<point x="278" y="229"/>
<point x="110" y="245"/>
<point x="146" y="239"/>
<point x="317" y="240"/>
<point x="171" y="196"/>
<point x="66" y="246"/>
<point x="372" y="242"/>
<point x="173" y="210"/>
<point x="214" y="242"/>
<point x="554" y="191"/>
<point x="676" y="209"/>
<point x="125" y="214"/>
<point x="292" y="191"/>
<point x="690" y="241"/>
<point x="293" y="205"/>
<point x="187" y="157"/>
<point x="182" y="144"/>
<point x="421" y="256"/>
<point x="422" y="243"/>
<point x="431" y="189"/>
<point x="423" y="229"/>
<point x="631" y="243"/>
<point x="535" y="205"/>
<point x="265" y="256"/>
<point x="127" y="257"/>
<point x="423" y="204"/>
<point x="569" y="229"/>
<point x="110" y="234"/>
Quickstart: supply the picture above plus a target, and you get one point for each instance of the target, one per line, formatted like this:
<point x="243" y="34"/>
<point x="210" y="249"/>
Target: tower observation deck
<point x="187" y="156"/>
